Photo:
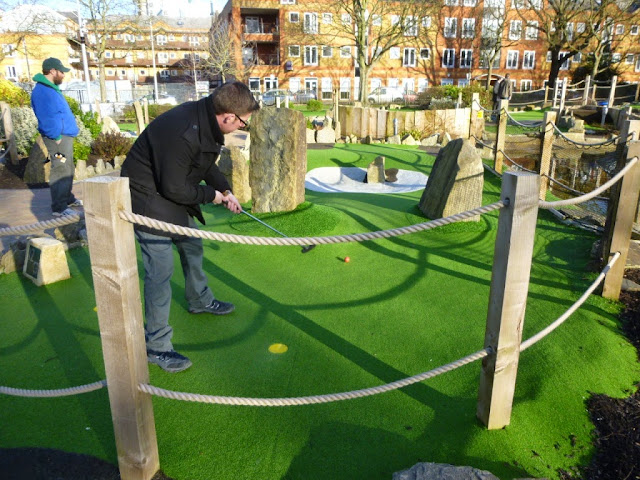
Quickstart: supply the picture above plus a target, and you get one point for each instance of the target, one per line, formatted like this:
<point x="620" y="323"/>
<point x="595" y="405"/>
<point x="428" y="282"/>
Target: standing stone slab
<point x="37" y="171"/>
<point x="278" y="160"/>
<point x="233" y="165"/>
<point x="455" y="183"/>
<point x="375" y="171"/>
<point x="381" y="125"/>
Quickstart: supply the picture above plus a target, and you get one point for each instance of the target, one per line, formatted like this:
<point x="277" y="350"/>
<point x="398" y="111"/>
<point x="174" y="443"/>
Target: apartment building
<point x="303" y="44"/>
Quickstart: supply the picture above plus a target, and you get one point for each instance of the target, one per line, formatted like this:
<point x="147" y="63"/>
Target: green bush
<point x="13" y="95"/>
<point x="446" y="96"/>
<point x="88" y="119"/>
<point x="154" y="111"/>
<point x="80" y="151"/>
<point x="25" y="129"/>
<point x="109" y="145"/>
<point x="314" y="105"/>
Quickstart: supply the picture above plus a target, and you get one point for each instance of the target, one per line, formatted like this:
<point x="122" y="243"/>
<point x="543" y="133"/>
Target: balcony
<point x="261" y="59"/>
<point x="260" y="27"/>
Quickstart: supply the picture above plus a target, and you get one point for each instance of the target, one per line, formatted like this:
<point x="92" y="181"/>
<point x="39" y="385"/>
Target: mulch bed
<point x="616" y="436"/>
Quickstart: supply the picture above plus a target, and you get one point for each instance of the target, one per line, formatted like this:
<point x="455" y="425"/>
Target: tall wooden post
<point x="563" y="94"/>
<point x="508" y="298"/>
<point x="546" y="96"/>
<point x="612" y="92"/>
<point x="475" y="111"/>
<point x="587" y="86"/>
<point x="139" y="116"/>
<point x="117" y="289"/>
<point x="503" y="107"/>
<point x="550" y="118"/>
<point x="619" y="233"/>
<point x="555" y="93"/>
<point x="10" y="136"/>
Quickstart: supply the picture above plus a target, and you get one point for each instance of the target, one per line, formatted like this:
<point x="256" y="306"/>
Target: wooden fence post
<point x="9" y="135"/>
<point x="563" y="94"/>
<point x="550" y="118"/>
<point x="612" y="92"/>
<point x="139" y="116"/>
<point x="475" y="111"/>
<point x="619" y="235"/>
<point x="546" y="96"/>
<point x="117" y="290"/>
<point x="587" y="86"/>
<point x="503" y="107"/>
<point x="145" y="111"/>
<point x="555" y="93"/>
<point x="508" y="298"/>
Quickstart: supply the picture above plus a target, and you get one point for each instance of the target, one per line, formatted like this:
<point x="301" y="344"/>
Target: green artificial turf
<point x="400" y="307"/>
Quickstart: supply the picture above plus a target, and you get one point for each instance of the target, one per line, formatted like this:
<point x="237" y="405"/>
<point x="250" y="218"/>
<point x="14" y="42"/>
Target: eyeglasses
<point x="245" y="124"/>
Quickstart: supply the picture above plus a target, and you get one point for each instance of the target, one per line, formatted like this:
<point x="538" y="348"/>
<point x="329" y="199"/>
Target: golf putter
<point x="305" y="248"/>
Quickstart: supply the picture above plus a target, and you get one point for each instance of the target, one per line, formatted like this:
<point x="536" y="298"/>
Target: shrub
<point x="88" y="119"/>
<point x="314" y="105"/>
<point x="446" y="96"/>
<point x="109" y="145"/>
<point x="13" y="95"/>
<point x="154" y="110"/>
<point x="80" y="151"/>
<point x="25" y="128"/>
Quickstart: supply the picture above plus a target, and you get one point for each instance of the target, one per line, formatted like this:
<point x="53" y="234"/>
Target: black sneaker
<point x="216" y="307"/>
<point x="170" y="361"/>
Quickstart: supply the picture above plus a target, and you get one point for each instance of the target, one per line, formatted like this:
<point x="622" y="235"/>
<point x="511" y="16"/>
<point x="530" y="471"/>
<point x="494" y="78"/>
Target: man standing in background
<point x="57" y="125"/>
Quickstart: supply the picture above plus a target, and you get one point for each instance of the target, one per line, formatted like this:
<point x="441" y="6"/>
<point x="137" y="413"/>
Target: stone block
<point x="409" y="140"/>
<point x="80" y="172"/>
<point x="326" y="135"/>
<point x="45" y="261"/>
<point x="375" y="171"/>
<point x="429" y="141"/>
<point x="278" y="157"/>
<point x="109" y="125"/>
<point x="455" y="183"/>
<point x="442" y="471"/>
<point x="394" y="140"/>
<point x="37" y="171"/>
<point x="233" y="163"/>
<point x="310" y="135"/>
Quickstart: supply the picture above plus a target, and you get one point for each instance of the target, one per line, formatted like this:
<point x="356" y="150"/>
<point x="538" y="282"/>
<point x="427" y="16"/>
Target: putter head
<point x="308" y="248"/>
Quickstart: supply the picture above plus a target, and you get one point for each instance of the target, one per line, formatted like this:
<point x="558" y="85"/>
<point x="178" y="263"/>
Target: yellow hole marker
<point x="95" y="309"/>
<point x="278" y="348"/>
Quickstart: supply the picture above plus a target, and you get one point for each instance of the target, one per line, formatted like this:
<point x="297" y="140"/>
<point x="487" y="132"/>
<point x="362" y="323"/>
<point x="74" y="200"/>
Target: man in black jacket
<point x="165" y="166"/>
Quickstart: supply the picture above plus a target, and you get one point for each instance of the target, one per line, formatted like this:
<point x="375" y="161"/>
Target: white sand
<point x="349" y="180"/>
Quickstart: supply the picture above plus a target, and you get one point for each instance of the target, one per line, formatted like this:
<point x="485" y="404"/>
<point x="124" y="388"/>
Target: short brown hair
<point x="234" y="97"/>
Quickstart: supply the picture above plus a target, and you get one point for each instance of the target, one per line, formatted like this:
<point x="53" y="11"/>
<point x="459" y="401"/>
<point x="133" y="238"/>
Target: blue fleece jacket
<point x="52" y="110"/>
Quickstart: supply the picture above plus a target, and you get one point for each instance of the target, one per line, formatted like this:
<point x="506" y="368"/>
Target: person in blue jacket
<point x="57" y="125"/>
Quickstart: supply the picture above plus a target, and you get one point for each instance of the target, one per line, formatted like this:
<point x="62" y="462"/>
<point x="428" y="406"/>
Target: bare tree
<point x="221" y="60"/>
<point x="370" y="27"/>
<point x="104" y="20"/>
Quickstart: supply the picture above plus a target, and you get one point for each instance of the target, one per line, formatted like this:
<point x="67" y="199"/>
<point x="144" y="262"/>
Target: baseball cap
<point x="52" y="62"/>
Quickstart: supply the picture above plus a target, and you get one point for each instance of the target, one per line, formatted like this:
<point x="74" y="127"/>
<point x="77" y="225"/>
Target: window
<point x="161" y="39"/>
<point x="629" y="58"/>
<point x="311" y="55"/>
<point x="166" y="74"/>
<point x="634" y="30"/>
<point x="451" y="3"/>
<point x="525" y="85"/>
<point x="174" y="73"/>
<point x="565" y="64"/>
<point x="448" y="58"/>
<point x="515" y="30"/>
<point x="577" y="58"/>
<point x="326" y="88"/>
<point x="426" y="22"/>
<point x="294" y="50"/>
<point x="529" y="59"/>
<point x="616" y="57"/>
<point x="619" y="29"/>
<point x="512" y="59"/>
<point x="345" y="88"/>
<point x="270" y="83"/>
<point x="468" y="27"/>
<point x="287" y="2"/>
<point x="7" y="50"/>
<point x="423" y="84"/>
<point x="637" y="67"/>
<point x="532" y="30"/>
<point x="446" y="81"/>
<point x="254" y="84"/>
<point x="466" y="58"/>
<point x="486" y="56"/>
<point x="346" y="19"/>
<point x="409" y="57"/>
<point x="463" y="82"/>
<point x="109" y="55"/>
<point x="310" y="23"/>
<point x="395" y="19"/>
<point x="490" y="28"/>
<point x="129" y="38"/>
<point x="294" y="17"/>
<point x="345" y="51"/>
<point x="410" y="26"/>
<point x="569" y="31"/>
<point x="11" y="71"/>
<point x="173" y="55"/>
<point x="450" y="27"/>
<point x="580" y="28"/>
<point x="163" y="57"/>
<point x="469" y="3"/>
<point x="394" y="53"/>
<point x="548" y="57"/>
<point x="327" y="18"/>
<point x="142" y="72"/>
<point x="376" y="20"/>
<point x="327" y="51"/>
<point x="425" y="54"/>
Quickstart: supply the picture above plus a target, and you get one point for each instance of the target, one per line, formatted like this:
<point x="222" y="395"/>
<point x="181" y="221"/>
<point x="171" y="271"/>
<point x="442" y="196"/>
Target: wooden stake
<point x="550" y="118"/>
<point x="508" y="297"/>
<point x="117" y="289"/>
<point x="503" y="107"/>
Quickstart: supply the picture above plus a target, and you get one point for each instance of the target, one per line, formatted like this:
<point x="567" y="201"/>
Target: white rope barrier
<point x="41" y="226"/>
<point x="313" y="399"/>
<point x="543" y="333"/>
<point x="568" y="188"/>
<point x="516" y="163"/>
<point x="592" y="194"/>
<point x="491" y="147"/>
<point x="64" y="392"/>
<point x="524" y="125"/>
<point x="303" y="241"/>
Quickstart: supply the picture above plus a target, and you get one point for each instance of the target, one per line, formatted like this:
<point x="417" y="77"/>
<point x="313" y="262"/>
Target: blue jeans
<point x="157" y="256"/>
<point x="61" y="175"/>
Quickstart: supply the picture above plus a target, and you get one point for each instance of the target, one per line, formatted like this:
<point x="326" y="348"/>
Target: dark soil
<point x="616" y="437"/>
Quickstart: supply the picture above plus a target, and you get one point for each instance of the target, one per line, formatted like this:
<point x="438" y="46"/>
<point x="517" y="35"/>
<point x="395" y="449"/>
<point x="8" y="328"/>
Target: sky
<point x="188" y="8"/>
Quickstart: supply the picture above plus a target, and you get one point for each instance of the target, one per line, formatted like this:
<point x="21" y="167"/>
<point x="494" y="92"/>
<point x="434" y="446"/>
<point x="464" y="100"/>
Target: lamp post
<point x="155" y="73"/>
<point x="83" y="50"/>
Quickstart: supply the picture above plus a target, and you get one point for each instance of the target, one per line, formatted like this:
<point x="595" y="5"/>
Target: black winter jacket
<point x="169" y="160"/>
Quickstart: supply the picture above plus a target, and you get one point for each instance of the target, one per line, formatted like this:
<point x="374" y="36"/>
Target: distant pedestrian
<point x="502" y="90"/>
<point x="57" y="125"/>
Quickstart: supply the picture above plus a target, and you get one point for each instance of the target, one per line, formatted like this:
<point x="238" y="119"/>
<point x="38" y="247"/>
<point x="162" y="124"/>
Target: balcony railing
<point x="260" y="28"/>
<point x="273" y="59"/>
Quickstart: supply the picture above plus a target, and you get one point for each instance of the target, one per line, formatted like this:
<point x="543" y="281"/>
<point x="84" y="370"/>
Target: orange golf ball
<point x="347" y="259"/>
